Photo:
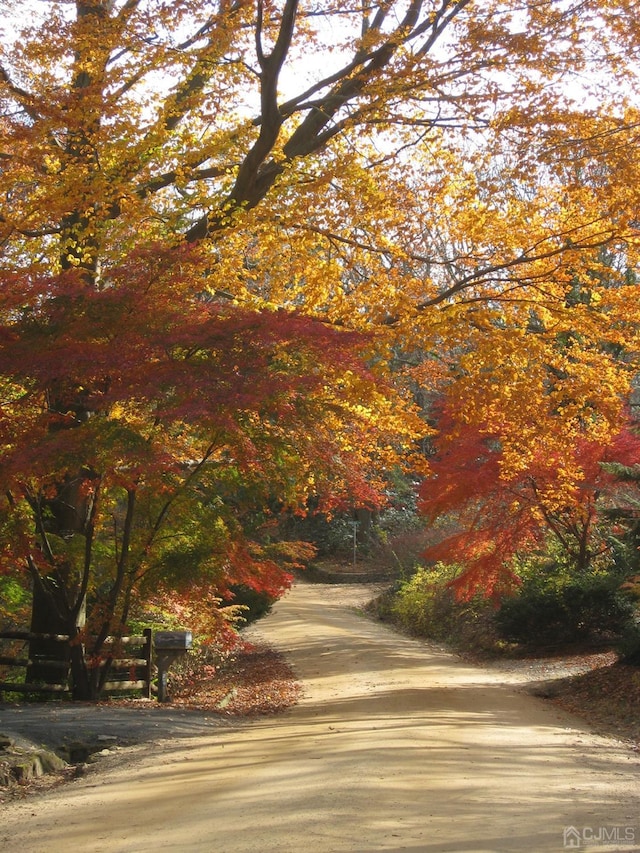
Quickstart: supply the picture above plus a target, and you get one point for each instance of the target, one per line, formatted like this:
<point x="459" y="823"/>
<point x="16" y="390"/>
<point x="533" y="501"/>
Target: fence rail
<point x="137" y="667"/>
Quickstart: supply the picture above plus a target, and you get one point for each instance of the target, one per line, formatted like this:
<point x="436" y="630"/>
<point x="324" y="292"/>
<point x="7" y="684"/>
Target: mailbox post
<point x="169" y="646"/>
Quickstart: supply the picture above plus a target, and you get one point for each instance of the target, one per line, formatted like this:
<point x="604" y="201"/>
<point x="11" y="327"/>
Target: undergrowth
<point x="550" y="609"/>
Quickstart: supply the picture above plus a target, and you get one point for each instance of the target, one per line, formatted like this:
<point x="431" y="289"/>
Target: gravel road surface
<point x="394" y="746"/>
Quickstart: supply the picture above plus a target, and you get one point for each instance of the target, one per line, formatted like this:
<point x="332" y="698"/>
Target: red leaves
<point x="254" y="680"/>
<point x="497" y="513"/>
<point x="144" y="338"/>
<point x="148" y="348"/>
<point x="199" y="418"/>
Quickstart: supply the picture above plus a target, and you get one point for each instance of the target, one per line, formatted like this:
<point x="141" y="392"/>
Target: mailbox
<point x="169" y="647"/>
<point x="178" y="641"/>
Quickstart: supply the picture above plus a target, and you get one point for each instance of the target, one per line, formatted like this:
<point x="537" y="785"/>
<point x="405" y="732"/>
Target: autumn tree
<point x="413" y="169"/>
<point x="489" y="513"/>
<point x="193" y="418"/>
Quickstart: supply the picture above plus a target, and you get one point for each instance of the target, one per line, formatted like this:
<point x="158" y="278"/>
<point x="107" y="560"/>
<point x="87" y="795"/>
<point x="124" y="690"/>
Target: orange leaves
<point x="498" y="506"/>
<point x="200" y="414"/>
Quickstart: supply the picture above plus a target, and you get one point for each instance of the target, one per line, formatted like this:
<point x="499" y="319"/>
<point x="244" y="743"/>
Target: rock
<point x="227" y="699"/>
<point x="21" y="765"/>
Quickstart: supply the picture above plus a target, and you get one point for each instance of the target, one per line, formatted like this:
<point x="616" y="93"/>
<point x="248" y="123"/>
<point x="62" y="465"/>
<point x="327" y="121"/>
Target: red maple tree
<point x="491" y="511"/>
<point x="148" y="431"/>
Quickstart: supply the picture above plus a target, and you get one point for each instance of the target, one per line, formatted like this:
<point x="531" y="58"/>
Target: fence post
<point x="147" y="669"/>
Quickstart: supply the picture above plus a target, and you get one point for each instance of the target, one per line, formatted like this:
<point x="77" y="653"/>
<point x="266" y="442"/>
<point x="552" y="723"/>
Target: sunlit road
<point x="394" y="747"/>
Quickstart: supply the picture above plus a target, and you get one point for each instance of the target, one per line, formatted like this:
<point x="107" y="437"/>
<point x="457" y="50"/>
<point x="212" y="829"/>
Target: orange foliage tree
<point x="192" y="420"/>
<point x="489" y="513"/>
<point x="151" y="352"/>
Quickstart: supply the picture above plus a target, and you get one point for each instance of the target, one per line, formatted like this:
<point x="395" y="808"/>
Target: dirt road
<point x="394" y="747"/>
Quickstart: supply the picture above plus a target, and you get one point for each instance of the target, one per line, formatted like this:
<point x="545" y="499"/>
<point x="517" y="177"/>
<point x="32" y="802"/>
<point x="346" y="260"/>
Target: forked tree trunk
<point x="59" y="598"/>
<point x="49" y="656"/>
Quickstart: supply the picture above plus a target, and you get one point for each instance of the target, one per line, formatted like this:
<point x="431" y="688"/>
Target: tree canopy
<point x="221" y="222"/>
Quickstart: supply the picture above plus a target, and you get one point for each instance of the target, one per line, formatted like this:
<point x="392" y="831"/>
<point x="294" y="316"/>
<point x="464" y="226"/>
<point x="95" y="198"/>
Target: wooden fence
<point x="126" y="673"/>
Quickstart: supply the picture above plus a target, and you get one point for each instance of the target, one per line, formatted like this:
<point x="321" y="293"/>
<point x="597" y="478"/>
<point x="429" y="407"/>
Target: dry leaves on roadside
<point x="255" y="680"/>
<point x="607" y="697"/>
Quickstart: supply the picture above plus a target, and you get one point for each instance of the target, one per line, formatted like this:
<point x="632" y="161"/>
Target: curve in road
<point x="395" y="746"/>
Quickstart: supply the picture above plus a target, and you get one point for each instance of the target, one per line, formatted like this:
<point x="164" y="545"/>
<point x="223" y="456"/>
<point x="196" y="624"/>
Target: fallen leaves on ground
<point x="608" y="698"/>
<point x="254" y="680"/>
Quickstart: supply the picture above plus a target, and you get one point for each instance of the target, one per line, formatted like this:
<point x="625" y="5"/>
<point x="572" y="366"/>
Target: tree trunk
<point x="48" y="617"/>
<point x="59" y="598"/>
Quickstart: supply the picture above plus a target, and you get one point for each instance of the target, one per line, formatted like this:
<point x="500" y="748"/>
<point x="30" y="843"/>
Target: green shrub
<point x="254" y="604"/>
<point x="628" y="645"/>
<point x="555" y="607"/>
<point x="418" y="600"/>
<point x="15" y="603"/>
<point x="424" y="605"/>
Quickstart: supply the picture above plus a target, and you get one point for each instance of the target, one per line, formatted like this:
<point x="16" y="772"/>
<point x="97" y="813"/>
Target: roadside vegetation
<point x="551" y="610"/>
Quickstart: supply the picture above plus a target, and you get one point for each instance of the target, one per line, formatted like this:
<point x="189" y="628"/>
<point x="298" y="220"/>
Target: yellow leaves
<point x="467" y="238"/>
<point x="536" y="382"/>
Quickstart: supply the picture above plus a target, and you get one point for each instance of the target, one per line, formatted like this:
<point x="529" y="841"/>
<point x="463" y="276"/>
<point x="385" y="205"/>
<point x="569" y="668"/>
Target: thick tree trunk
<point x="59" y="599"/>
<point x="48" y="617"/>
